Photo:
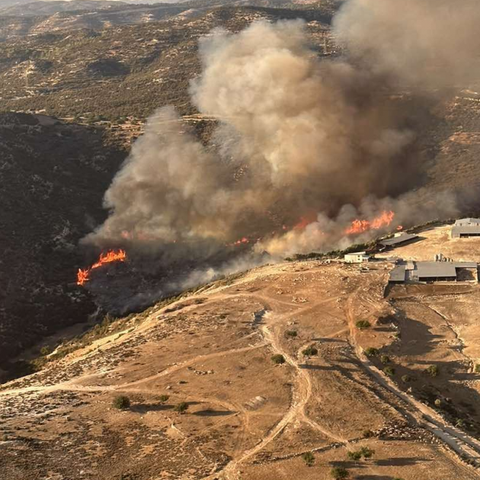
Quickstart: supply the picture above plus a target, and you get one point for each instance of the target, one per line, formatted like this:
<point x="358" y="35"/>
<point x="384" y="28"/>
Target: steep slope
<point x="52" y="181"/>
<point x="247" y="415"/>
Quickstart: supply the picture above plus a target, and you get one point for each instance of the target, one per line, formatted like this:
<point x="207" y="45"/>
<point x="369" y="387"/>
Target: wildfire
<point x="360" y="226"/>
<point x="83" y="275"/>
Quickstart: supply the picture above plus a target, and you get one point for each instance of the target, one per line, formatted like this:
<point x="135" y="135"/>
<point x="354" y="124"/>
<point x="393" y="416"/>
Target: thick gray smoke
<point x="416" y="43"/>
<point x="297" y="136"/>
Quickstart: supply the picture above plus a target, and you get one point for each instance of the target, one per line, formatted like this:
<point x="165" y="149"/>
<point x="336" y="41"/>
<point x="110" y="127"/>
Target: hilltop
<point x="276" y="377"/>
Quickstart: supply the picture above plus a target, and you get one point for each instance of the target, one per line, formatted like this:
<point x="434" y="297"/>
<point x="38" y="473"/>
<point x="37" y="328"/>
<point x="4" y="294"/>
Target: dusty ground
<point x="437" y="240"/>
<point x="249" y="418"/>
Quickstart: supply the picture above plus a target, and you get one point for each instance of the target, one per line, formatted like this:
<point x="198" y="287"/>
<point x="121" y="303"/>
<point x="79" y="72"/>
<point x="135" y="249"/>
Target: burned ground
<point x="53" y="179"/>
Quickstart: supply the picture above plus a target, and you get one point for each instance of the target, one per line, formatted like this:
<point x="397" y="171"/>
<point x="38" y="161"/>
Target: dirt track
<point x="288" y="299"/>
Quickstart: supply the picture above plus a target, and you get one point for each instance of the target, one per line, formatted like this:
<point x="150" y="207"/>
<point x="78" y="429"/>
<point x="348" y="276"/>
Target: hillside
<point x="120" y="71"/>
<point x="57" y="16"/>
<point x="53" y="179"/>
<point x="247" y="416"/>
<point x="113" y="79"/>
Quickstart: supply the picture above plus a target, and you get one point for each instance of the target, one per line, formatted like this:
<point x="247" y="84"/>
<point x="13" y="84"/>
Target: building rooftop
<point x="435" y="269"/>
<point x="398" y="274"/>
<point x="398" y="239"/>
<point x="468" y="221"/>
<point x="412" y="270"/>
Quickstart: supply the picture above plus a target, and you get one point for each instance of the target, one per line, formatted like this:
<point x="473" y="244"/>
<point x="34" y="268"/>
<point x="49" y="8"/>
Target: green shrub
<point x="363" y="324"/>
<point x="45" y="351"/>
<point x="438" y="403"/>
<point x="364" y="452"/>
<point x="309" y="459"/>
<point x="368" y="434"/>
<point x="477" y="368"/>
<point x="164" y="398"/>
<point x="371" y="352"/>
<point x="367" y="452"/>
<point x="460" y="423"/>
<point x="390" y="371"/>
<point x="406" y="378"/>
<point x="181" y="407"/>
<point x="433" y="371"/>
<point x="310" y="351"/>
<point x="121" y="402"/>
<point x="339" y="473"/>
<point x="385" y="359"/>
<point x="291" y="334"/>
<point x="278" y="359"/>
<point x="355" y="456"/>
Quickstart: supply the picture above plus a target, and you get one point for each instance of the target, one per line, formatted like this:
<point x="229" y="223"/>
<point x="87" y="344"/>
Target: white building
<point x="357" y="257"/>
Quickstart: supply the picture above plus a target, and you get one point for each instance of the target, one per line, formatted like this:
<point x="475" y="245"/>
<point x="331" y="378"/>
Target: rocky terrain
<point x="265" y="375"/>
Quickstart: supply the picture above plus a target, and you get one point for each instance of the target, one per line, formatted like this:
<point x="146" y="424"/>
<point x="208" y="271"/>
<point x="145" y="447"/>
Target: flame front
<point x="83" y="275"/>
<point x="360" y="226"/>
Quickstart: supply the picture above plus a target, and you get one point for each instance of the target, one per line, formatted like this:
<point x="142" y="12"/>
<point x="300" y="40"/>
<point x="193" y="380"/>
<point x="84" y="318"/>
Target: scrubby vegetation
<point x="390" y="371"/>
<point x="363" y="452"/>
<point x="310" y="351"/>
<point x="309" y="459"/>
<point x="339" y="473"/>
<point x="278" y="359"/>
<point x="363" y="324"/>
<point x="181" y="407"/>
<point x="121" y="402"/>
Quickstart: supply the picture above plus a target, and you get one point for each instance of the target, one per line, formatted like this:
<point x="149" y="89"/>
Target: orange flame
<point x="360" y="226"/>
<point x="83" y="275"/>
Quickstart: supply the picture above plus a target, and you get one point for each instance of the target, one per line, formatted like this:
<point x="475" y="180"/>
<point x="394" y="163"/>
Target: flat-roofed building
<point x="465" y="228"/>
<point x="422" y="272"/>
<point x="468" y="221"/>
<point x="398" y="240"/>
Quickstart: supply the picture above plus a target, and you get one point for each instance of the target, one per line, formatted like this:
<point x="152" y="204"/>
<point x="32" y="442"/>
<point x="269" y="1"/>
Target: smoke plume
<point x="298" y="136"/>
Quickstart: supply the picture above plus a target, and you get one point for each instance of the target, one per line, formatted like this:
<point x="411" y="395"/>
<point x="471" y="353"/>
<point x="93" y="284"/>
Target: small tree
<point x="121" y="402"/>
<point x="278" y="359"/>
<point x="390" y="371"/>
<point x="45" y="351"/>
<point x="363" y="324"/>
<point x="385" y="359"/>
<point x="181" y="407"/>
<point x="371" y="352"/>
<point x="433" y="371"/>
<point x="477" y="368"/>
<point x="309" y="459"/>
<point x="406" y="378"/>
<point x="339" y="473"/>
<point x="368" y="434"/>
<point x="367" y="452"/>
<point x="310" y="351"/>
<point x="355" y="456"/>
<point x="164" y="398"/>
<point x="291" y="333"/>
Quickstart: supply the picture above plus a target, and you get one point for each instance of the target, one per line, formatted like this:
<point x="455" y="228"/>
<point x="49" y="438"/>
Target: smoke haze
<point x="297" y="136"/>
